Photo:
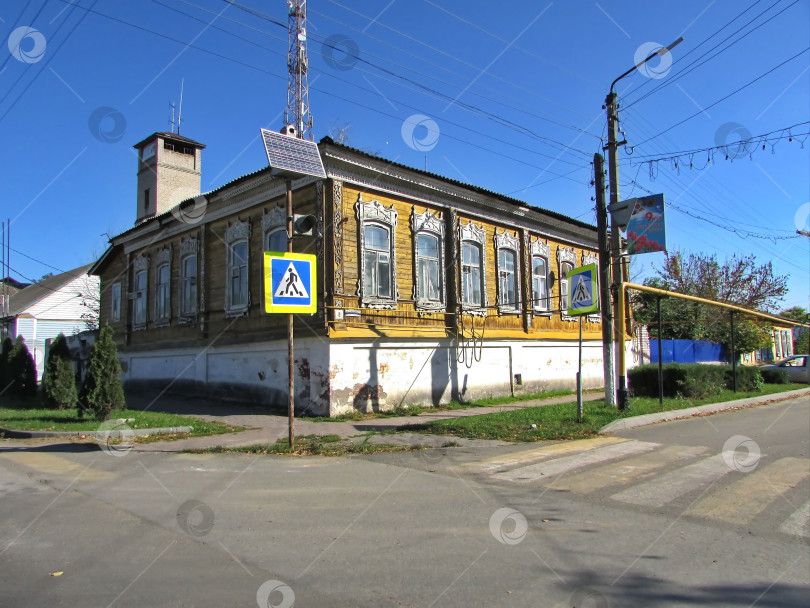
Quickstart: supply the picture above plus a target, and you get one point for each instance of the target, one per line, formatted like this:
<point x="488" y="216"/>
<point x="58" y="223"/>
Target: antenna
<point x="171" y="122"/>
<point x="297" y="113"/>
<point x="180" y="109"/>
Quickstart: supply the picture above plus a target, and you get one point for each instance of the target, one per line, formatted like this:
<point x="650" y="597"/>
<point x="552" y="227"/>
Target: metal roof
<point x="27" y="297"/>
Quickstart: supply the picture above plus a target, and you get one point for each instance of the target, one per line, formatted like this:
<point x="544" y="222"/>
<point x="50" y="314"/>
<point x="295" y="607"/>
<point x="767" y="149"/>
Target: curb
<point x="712" y="408"/>
<point x="115" y="432"/>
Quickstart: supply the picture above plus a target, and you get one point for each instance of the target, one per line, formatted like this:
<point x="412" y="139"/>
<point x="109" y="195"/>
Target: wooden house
<point x="429" y="289"/>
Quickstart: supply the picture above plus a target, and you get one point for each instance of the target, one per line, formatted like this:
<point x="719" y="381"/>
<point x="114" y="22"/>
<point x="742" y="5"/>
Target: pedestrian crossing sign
<point x="289" y="282"/>
<point x="583" y="290"/>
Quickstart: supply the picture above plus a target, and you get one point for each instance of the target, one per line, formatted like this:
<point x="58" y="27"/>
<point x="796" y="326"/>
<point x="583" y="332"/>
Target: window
<point x="428" y="250"/>
<point x="276" y="240"/>
<point x="237" y="292"/>
<point x="162" y="309"/>
<point x="566" y="259"/>
<point x="428" y="262"/>
<point x="377" y="286"/>
<point x="507" y="246"/>
<point x="565" y="268"/>
<point x="377" y="262"/>
<point x="115" y="314"/>
<point x="146" y="195"/>
<point x="139" y="309"/>
<point x="188" y="285"/>
<point x="237" y="272"/>
<point x="471" y="274"/>
<point x="473" y="269"/>
<point x="540" y="283"/>
<point x="507" y="279"/>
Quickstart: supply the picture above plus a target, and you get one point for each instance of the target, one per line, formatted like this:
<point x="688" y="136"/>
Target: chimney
<point x="168" y="173"/>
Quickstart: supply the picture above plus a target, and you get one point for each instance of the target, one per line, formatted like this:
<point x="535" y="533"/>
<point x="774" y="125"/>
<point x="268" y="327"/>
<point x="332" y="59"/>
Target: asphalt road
<point x="710" y="511"/>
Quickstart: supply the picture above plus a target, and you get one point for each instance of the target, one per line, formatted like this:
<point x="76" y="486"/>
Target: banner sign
<point x="645" y="229"/>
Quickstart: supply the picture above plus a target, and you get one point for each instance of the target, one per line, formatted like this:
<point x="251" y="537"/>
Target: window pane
<point x="506" y="261"/>
<point x="239" y="253"/>
<point x="475" y="284"/>
<point x="376" y="238"/>
<point x="384" y="276"/>
<point x="427" y="246"/>
<point x="277" y="240"/>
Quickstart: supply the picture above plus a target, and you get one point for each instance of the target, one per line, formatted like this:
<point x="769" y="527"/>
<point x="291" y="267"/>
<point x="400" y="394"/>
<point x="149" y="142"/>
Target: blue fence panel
<point x="686" y="351"/>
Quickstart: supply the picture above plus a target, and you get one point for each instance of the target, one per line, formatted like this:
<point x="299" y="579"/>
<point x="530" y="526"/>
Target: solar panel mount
<point x="289" y="154"/>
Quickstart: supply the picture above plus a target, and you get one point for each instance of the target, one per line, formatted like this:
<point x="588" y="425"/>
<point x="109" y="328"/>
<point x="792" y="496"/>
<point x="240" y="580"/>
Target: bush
<point x="59" y="379"/>
<point x="774" y="376"/>
<point x="20" y="370"/>
<point x="102" y="391"/>
<point x="692" y="380"/>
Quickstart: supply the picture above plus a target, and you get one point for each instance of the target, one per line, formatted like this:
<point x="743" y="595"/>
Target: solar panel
<point x="292" y="155"/>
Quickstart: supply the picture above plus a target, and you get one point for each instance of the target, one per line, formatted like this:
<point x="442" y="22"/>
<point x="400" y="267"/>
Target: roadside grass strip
<point x="313" y="445"/>
<point x="558" y="422"/>
<point x="41" y="419"/>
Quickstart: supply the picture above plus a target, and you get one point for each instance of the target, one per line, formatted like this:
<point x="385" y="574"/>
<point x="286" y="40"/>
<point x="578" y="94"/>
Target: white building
<point x="58" y="304"/>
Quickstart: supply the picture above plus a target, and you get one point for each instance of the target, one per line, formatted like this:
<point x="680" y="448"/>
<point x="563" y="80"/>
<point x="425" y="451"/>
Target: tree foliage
<point x="59" y="378"/>
<point x="102" y="391"/>
<point x="738" y="281"/>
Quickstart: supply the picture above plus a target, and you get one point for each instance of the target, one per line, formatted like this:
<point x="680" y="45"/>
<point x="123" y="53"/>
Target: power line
<point x="743" y="144"/>
<point x="354" y="101"/>
<point x="48" y="60"/>
<point x="699" y="112"/>
<point x="697" y="62"/>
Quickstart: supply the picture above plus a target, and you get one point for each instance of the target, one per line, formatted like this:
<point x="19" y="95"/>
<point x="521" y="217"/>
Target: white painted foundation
<point x="339" y="376"/>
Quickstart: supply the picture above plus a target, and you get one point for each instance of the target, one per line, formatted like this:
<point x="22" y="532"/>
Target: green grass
<point x="313" y="445"/>
<point x="31" y="416"/>
<point x="415" y="410"/>
<point x="558" y="422"/>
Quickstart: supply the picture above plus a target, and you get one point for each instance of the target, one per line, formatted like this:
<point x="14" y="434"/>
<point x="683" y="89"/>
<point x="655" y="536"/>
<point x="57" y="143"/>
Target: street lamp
<point x="623" y="396"/>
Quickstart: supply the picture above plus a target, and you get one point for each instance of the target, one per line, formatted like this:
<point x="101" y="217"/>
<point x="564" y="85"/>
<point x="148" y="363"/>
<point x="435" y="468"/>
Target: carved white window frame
<point x="477" y="235"/>
<point x="540" y="249"/>
<point x="373" y="213"/>
<point x="565" y="255"/>
<point x="189" y="248"/>
<point x="237" y="232"/>
<point x="428" y="223"/>
<point x="508" y="242"/>
<point x="272" y="222"/>
<point x="592" y="258"/>
<point x="140" y="268"/>
<point x="163" y="315"/>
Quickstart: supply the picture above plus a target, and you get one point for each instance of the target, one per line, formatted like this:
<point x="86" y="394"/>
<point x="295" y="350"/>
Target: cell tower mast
<point x="297" y="113"/>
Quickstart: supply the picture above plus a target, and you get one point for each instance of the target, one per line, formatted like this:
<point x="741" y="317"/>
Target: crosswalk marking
<point x="630" y="469"/>
<point x="505" y="461"/>
<point x="563" y="464"/>
<point x="665" y="489"/>
<point x="743" y="500"/>
<point x="54" y="465"/>
<point x="798" y="524"/>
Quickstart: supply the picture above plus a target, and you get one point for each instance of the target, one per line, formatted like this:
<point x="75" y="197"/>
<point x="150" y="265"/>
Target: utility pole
<point x="611" y="106"/>
<point x="604" y="281"/>
<point x="622" y="396"/>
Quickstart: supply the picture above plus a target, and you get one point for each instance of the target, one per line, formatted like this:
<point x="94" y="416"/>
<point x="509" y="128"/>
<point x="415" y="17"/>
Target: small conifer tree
<point x="5" y="367"/>
<point x="59" y="379"/>
<point x="102" y="391"/>
<point x="22" y="370"/>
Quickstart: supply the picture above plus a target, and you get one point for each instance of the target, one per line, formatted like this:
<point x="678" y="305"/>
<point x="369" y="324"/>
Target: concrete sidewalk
<point x="267" y="427"/>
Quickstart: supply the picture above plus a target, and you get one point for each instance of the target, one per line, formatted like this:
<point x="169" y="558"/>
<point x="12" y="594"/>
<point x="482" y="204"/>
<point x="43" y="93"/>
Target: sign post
<point x="291" y="156"/>
<point x="583" y="299"/>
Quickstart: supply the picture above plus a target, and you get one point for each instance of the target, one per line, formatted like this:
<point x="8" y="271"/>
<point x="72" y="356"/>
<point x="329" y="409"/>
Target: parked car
<point x="796" y="367"/>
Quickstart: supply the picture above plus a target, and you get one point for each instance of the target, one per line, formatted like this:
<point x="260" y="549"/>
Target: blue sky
<point x="507" y="99"/>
